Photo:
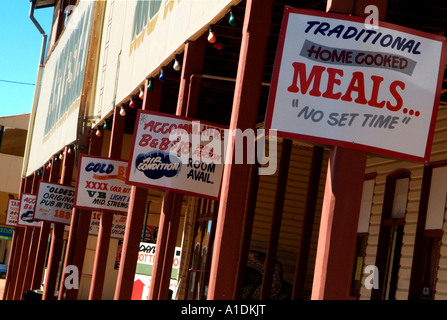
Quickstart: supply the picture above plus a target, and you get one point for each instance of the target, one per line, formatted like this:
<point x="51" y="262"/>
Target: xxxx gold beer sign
<point x="101" y="184"/>
<point x="339" y="81"/>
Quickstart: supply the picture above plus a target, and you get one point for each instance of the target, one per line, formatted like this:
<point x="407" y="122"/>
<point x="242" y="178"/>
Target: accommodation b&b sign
<point x="341" y="82"/>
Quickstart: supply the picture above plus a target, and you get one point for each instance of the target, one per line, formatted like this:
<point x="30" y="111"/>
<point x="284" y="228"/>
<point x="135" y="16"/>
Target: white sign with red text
<point x="118" y="224"/>
<point x="54" y="202"/>
<point x="12" y="214"/>
<point x="26" y="213"/>
<point x="178" y="154"/>
<point x="338" y="81"/>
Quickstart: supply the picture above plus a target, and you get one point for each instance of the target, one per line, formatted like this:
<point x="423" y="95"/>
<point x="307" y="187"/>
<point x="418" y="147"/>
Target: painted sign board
<point x="338" y="81"/>
<point x="58" y="106"/>
<point x="177" y="153"/>
<point x="12" y="213"/>
<point x="146" y="256"/>
<point x="118" y="224"/>
<point x="101" y="184"/>
<point x="6" y="233"/>
<point x="54" y="203"/>
<point x="143" y="272"/>
<point x="26" y="212"/>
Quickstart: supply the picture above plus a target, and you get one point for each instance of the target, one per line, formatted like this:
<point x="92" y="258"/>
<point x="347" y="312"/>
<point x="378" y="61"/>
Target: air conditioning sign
<point x="177" y="153"/>
<point x="338" y="81"/>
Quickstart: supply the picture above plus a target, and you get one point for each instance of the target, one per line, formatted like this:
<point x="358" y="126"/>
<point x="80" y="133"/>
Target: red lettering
<point x="145" y="138"/>
<point x="329" y="93"/>
<point x="375" y="93"/>
<point x="315" y="77"/>
<point x="396" y="96"/>
<point x="149" y="125"/>
<point x="302" y="82"/>
<point x="357" y="84"/>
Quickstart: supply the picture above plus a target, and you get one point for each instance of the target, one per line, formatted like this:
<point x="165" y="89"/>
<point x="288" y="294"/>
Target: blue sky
<point x="21" y="44"/>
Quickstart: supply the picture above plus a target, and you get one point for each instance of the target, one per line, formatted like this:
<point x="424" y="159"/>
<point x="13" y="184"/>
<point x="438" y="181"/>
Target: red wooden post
<point x="105" y="227"/>
<point x="57" y="239"/>
<point x="165" y="216"/>
<point x="171" y="238"/>
<point x="341" y="205"/>
<point x="40" y="255"/>
<point x="135" y="215"/>
<point x="235" y="178"/>
<point x="43" y="236"/>
<point x="14" y="256"/>
<point x="193" y="58"/>
<point x="33" y="248"/>
<point x="79" y="228"/>
<point x="27" y="282"/>
<point x="24" y="250"/>
<point x="13" y="268"/>
<point x="338" y="225"/>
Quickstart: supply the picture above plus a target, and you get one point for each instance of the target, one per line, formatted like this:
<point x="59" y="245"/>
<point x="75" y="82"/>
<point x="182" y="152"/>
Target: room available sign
<point x="178" y="154"/>
<point x="341" y="82"/>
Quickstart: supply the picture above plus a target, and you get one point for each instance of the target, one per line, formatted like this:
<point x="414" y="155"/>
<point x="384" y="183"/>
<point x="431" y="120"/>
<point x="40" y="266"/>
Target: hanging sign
<point x="26" y="213"/>
<point x="176" y="153"/>
<point x="146" y="256"/>
<point x="118" y="225"/>
<point x="101" y="184"/>
<point x="54" y="202"/>
<point x="339" y="81"/>
<point x="12" y="213"/>
<point x="6" y="233"/>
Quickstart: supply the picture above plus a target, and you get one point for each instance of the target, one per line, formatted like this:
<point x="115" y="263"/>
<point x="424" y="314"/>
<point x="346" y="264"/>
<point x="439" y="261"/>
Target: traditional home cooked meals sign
<point x="340" y="81"/>
<point x="177" y="153"/>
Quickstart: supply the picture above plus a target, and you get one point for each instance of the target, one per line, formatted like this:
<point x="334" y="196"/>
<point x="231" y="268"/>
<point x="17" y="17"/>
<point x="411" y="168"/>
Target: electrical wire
<point x="17" y="82"/>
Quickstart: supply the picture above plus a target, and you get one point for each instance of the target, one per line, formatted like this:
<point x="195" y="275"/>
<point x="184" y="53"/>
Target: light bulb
<point x="211" y="36"/>
<point x="105" y="125"/>
<point x="149" y="85"/>
<point x="177" y="66"/>
<point x="122" y="111"/>
<point x="232" y="20"/>
<point x="218" y="45"/>
<point x="131" y="103"/>
<point x="69" y="150"/>
<point x="162" y="76"/>
<point x="141" y="94"/>
<point x="61" y="156"/>
<point x="98" y="132"/>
